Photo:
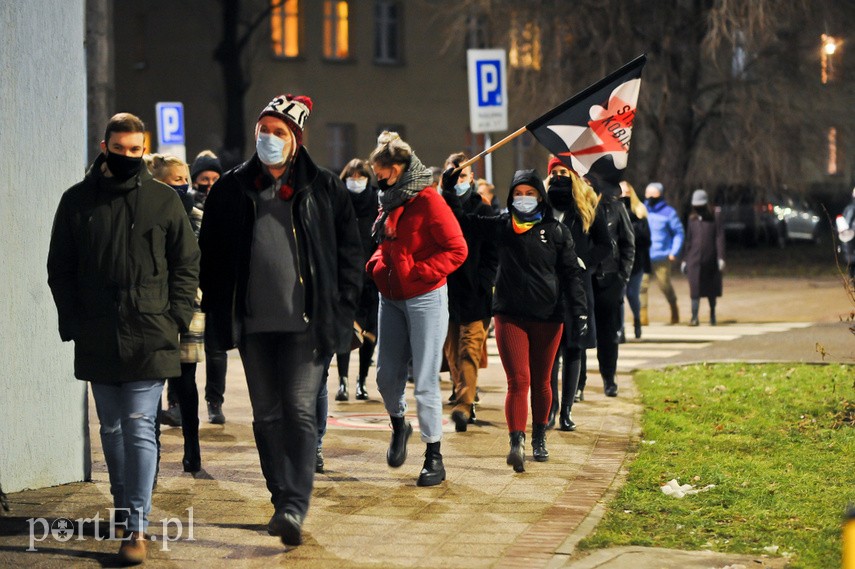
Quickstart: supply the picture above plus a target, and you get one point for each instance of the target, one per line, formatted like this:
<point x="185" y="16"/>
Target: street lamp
<point x="829" y="48"/>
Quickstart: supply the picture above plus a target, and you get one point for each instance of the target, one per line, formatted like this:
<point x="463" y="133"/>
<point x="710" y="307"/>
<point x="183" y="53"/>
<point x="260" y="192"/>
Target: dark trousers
<point x="366" y="352"/>
<point x="284" y="377"/>
<point x="216" y="365"/>
<point x="608" y="300"/>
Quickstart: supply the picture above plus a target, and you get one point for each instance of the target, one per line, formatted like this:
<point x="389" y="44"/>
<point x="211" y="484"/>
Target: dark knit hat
<point x="203" y="164"/>
<point x="293" y="109"/>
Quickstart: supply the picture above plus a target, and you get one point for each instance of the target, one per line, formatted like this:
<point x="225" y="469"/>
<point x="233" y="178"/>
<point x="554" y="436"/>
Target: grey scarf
<point x="416" y="178"/>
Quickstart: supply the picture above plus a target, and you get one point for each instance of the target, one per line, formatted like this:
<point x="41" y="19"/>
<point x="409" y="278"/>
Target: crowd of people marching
<point x="296" y="267"/>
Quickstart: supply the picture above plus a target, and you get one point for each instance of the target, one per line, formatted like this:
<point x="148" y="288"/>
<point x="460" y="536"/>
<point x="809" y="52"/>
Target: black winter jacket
<point x="538" y="271"/>
<point x="123" y="268"/>
<point x="328" y="252"/>
<point x="470" y="287"/>
<point x="620" y="260"/>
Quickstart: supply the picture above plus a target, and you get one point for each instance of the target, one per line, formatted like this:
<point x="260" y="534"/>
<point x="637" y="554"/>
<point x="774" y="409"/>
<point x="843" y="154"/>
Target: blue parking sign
<point x="489" y="76"/>
<point x="170" y="123"/>
<point x="488" y="90"/>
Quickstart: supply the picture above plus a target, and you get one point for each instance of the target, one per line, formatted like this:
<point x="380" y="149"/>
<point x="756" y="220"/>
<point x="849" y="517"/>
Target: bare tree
<point x="727" y="95"/>
<point x="240" y="22"/>
<point x="100" y="72"/>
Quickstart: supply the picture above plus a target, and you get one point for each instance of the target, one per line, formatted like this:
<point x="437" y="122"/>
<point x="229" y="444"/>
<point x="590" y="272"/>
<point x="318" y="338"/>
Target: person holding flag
<point x="537" y="267"/>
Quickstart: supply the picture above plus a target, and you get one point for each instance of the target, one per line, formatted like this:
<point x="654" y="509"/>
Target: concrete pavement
<point x="365" y="514"/>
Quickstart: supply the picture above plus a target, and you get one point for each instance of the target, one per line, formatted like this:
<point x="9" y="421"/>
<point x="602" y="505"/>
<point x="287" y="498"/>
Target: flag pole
<point x="487" y="151"/>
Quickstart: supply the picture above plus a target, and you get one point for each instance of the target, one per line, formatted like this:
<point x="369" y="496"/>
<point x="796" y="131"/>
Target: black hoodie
<point x="538" y="270"/>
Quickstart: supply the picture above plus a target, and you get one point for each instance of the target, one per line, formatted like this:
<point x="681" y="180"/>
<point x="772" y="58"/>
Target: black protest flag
<point x="590" y="132"/>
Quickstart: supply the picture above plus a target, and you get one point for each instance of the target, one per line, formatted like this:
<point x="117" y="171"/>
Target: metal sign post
<point x="488" y="96"/>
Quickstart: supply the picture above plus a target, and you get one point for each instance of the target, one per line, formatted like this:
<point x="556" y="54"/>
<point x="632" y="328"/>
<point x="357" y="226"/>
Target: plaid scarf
<point x="416" y="178"/>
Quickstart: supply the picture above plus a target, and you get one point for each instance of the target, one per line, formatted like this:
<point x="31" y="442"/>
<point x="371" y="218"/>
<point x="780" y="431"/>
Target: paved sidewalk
<point x="365" y="514"/>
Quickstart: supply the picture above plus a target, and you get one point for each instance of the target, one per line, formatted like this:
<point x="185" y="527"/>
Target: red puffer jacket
<point x="427" y="247"/>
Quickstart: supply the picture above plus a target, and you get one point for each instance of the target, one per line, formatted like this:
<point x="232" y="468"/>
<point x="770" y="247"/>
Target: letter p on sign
<point x="489" y="83"/>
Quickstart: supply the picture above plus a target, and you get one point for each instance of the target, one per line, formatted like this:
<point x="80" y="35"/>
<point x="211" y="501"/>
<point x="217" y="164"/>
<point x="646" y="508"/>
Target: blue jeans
<point x="415" y="328"/>
<point x="127" y="413"/>
<point x="633" y="290"/>
<point x="322" y="407"/>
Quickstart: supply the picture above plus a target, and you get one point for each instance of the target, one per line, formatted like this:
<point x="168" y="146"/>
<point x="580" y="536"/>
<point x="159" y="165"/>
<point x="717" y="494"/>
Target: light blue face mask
<point x="525" y="204"/>
<point x="270" y="149"/>
<point x="462" y="189"/>
<point x="356" y="186"/>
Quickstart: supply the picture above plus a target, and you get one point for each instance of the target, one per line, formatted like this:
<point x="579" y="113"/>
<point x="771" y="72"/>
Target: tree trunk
<point x="228" y="54"/>
<point x="100" y="71"/>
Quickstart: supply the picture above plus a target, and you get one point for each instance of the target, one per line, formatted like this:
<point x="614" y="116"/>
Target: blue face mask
<point x="270" y="149"/>
<point x="525" y="204"/>
<point x="356" y="186"/>
<point x="462" y="189"/>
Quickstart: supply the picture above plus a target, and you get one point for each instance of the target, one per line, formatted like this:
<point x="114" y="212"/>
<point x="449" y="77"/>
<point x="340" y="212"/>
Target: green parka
<point x="123" y="268"/>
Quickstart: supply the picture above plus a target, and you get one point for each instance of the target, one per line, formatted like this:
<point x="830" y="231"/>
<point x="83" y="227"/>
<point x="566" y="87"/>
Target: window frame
<point x="281" y="44"/>
<point x="381" y="33"/>
<point x="328" y="51"/>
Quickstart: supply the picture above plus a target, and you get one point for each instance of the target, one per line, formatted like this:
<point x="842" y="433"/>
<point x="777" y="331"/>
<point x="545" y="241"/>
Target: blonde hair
<point x="635" y="203"/>
<point x="391" y="149"/>
<point x="162" y="165"/>
<point x="586" y="200"/>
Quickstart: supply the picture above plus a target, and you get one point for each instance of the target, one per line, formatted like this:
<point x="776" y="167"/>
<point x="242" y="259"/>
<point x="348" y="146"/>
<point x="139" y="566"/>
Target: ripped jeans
<point x="127" y="413"/>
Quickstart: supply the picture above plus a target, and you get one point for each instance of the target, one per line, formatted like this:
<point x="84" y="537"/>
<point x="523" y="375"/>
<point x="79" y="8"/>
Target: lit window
<point x="387" y="32"/>
<point x="827" y="54"/>
<point x="525" y="45"/>
<point x="285" y="27"/>
<point x="336" y="29"/>
<point x="832" y="169"/>
<point x="340" y="145"/>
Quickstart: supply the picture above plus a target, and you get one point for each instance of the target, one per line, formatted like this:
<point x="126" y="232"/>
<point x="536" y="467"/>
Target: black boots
<point x="342" y="390"/>
<point x="401" y="432"/>
<point x="361" y="393"/>
<point x="538" y="443"/>
<point x="516" y="457"/>
<point x="568" y="394"/>
<point x="636" y="324"/>
<point x="433" y="471"/>
<point x="461" y="421"/>
<point x="609" y="387"/>
<point x="319" y="461"/>
<point x="287" y="526"/>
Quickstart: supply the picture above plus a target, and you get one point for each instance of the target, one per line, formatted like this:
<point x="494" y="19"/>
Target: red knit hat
<point x="294" y="110"/>
<point x="555" y="161"/>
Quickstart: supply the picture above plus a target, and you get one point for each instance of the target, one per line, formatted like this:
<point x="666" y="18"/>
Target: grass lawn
<point x="778" y="443"/>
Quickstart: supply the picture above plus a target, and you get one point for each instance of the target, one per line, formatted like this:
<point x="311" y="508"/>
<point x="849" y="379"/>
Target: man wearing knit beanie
<point x="281" y="275"/>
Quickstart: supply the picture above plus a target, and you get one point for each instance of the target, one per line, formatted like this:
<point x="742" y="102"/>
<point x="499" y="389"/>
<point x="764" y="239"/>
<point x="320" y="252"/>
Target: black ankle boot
<point x="516" y="457"/>
<point x="433" y="471"/>
<point x="553" y="412"/>
<point x="609" y="387"/>
<point x="192" y="461"/>
<point x="361" y="393"/>
<point x="538" y="443"/>
<point x="401" y="431"/>
<point x="565" y="423"/>
<point x="342" y="390"/>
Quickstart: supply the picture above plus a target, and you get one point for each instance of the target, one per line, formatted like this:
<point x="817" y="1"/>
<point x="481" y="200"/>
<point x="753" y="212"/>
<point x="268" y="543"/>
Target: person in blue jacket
<point x="666" y="240"/>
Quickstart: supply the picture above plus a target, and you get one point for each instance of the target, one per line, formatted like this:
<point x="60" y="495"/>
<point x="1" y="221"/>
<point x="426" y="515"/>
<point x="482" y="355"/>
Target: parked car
<point x="753" y="215"/>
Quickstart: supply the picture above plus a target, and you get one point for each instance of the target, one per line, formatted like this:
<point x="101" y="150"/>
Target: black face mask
<point x="123" y="167"/>
<point x="383" y="185"/>
<point x="561" y="193"/>
<point x="654" y="201"/>
<point x="203" y="188"/>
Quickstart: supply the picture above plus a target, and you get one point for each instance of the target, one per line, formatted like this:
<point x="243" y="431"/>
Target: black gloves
<point x="580" y="329"/>
<point x="449" y="179"/>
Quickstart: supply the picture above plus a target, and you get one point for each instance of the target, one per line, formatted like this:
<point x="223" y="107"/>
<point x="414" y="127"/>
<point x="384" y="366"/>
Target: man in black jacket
<point x="281" y="275"/>
<point x="470" y="296"/>
<point x="123" y="268"/>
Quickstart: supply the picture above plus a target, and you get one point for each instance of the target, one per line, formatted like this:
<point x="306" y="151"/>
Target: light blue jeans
<point x="413" y="328"/>
<point x="127" y="413"/>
